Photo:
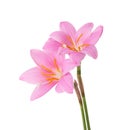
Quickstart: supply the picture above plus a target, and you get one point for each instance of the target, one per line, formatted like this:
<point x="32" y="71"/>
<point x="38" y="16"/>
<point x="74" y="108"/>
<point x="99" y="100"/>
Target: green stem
<point x="80" y="102"/>
<point x="83" y="96"/>
<point x="83" y="117"/>
<point x="86" y="112"/>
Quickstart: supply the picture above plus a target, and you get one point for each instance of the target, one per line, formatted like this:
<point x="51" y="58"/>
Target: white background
<point x="26" y="24"/>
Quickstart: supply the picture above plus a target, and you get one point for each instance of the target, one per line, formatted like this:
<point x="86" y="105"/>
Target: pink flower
<point x="51" y="70"/>
<point x="76" y="43"/>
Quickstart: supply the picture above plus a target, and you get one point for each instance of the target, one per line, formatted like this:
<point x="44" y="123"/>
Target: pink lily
<point x="76" y="43"/>
<point x="51" y="70"/>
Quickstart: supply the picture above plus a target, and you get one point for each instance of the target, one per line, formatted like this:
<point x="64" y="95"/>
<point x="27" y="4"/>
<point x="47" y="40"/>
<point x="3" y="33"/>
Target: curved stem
<point x="83" y="96"/>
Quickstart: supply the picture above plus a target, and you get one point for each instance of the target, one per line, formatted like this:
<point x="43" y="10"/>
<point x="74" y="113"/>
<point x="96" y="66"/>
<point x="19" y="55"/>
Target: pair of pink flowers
<point x="53" y="68"/>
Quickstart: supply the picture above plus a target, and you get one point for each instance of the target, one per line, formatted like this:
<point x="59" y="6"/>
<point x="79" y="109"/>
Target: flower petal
<point x="91" y="51"/>
<point x="31" y="76"/>
<point x="65" y="84"/>
<point x="68" y="65"/>
<point x="41" y="90"/>
<point x="41" y="58"/>
<point x="65" y="64"/>
<point x="84" y="32"/>
<point x="68" y="29"/>
<point x="52" y="46"/>
<point x="64" y="51"/>
<point x="94" y="37"/>
<point x="59" y="89"/>
<point x="77" y="57"/>
<point x="60" y="37"/>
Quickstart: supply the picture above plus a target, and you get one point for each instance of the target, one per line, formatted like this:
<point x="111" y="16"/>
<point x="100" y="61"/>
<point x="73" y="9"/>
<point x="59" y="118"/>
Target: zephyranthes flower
<point x="52" y="69"/>
<point x="76" y="43"/>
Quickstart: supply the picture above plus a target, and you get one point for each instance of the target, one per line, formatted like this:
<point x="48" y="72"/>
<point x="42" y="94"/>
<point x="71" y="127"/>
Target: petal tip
<point x="90" y="24"/>
<point x="101" y="28"/>
<point x="32" y="98"/>
<point x="32" y="51"/>
<point x="95" y="57"/>
<point x="21" y="77"/>
<point x="64" y="22"/>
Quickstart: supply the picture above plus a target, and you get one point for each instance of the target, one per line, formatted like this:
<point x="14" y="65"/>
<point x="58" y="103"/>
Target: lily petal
<point x="41" y="58"/>
<point x="84" y="32"/>
<point x="65" y="84"/>
<point x="91" y="51"/>
<point x="68" y="28"/>
<point x="61" y="37"/>
<point x="77" y="57"/>
<point x="41" y="90"/>
<point x="59" y="89"/>
<point x="68" y="65"/>
<point x="94" y="37"/>
<point x="31" y="76"/>
<point x="52" y="46"/>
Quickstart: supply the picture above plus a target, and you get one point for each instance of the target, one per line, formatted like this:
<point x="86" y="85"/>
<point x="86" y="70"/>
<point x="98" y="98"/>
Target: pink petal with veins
<point x="60" y="37"/>
<point x="68" y="28"/>
<point x="95" y="35"/>
<point x="77" y="57"/>
<point x="41" y="58"/>
<point x="52" y="46"/>
<point x="91" y="51"/>
<point x="84" y="32"/>
<point x="32" y="75"/>
<point x="65" y="84"/>
<point x="41" y="90"/>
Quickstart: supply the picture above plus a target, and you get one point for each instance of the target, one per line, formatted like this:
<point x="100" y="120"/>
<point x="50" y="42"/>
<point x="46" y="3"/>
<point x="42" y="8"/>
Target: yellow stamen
<point x="48" y="74"/>
<point x="79" y="37"/>
<point x="52" y="79"/>
<point x="45" y="68"/>
<point x="74" y="46"/>
<point x="56" y="65"/>
<point x="82" y="46"/>
<point x="71" y="41"/>
<point x="71" y="48"/>
<point x="51" y="75"/>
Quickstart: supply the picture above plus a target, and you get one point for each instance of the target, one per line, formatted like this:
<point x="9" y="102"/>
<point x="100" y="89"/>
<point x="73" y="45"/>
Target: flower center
<point x="58" y="74"/>
<point x="75" y="45"/>
<point x="51" y="74"/>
